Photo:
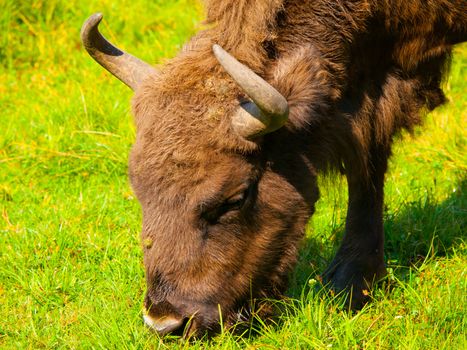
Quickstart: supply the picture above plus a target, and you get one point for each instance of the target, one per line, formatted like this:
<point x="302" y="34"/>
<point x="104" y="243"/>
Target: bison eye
<point x="231" y="204"/>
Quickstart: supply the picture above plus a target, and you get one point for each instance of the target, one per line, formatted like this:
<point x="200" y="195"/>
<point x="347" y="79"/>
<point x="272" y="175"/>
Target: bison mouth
<point x="200" y="325"/>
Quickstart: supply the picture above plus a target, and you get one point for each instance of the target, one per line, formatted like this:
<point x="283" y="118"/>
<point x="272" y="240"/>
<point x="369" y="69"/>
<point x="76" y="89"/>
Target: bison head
<point x="223" y="198"/>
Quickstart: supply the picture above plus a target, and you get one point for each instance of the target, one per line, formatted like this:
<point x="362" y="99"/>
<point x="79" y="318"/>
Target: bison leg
<point x="359" y="261"/>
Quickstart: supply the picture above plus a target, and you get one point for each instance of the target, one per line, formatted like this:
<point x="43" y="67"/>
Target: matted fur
<point x="355" y="72"/>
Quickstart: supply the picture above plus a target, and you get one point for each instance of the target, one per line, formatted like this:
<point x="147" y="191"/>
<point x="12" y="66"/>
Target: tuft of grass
<point x="71" y="273"/>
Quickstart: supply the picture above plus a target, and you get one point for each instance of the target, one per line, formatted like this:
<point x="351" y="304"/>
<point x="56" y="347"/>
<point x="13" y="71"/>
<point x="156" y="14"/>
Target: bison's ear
<point x="129" y="69"/>
<point x="304" y="77"/>
<point x="268" y="110"/>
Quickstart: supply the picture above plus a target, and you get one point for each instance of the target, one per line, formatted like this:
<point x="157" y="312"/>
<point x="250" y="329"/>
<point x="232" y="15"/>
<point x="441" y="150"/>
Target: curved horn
<point x="269" y="110"/>
<point x="129" y="69"/>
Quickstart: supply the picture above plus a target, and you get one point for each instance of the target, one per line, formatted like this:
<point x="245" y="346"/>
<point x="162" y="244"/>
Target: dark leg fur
<point x="359" y="262"/>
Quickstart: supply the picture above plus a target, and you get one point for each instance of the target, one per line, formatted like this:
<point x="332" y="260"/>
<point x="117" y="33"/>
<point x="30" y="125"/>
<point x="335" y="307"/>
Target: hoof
<point x="354" y="279"/>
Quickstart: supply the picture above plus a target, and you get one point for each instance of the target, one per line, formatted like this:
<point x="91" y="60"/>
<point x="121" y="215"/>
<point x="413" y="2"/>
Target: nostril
<point x="163" y="325"/>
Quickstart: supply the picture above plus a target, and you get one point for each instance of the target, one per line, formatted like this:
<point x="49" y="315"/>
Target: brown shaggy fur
<point x="354" y="72"/>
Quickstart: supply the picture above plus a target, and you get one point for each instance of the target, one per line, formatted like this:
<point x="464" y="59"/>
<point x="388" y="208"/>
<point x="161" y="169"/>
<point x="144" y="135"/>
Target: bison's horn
<point x="129" y="69"/>
<point x="268" y="111"/>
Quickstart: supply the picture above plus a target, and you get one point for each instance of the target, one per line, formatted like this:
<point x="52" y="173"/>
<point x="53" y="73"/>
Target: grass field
<point x="71" y="273"/>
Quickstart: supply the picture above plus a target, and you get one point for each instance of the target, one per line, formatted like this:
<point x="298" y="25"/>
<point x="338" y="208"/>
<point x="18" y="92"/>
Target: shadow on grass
<point x="415" y="231"/>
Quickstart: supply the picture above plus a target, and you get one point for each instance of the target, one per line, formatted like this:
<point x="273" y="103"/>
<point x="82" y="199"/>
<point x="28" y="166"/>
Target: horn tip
<point x="96" y="17"/>
<point x="91" y="23"/>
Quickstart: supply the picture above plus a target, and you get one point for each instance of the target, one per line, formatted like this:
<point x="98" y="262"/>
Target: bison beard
<point x="226" y="158"/>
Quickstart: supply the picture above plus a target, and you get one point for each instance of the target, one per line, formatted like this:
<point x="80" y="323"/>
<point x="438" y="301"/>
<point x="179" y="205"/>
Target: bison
<point x="232" y="132"/>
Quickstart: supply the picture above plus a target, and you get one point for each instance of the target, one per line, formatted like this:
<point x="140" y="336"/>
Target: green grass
<point x="71" y="273"/>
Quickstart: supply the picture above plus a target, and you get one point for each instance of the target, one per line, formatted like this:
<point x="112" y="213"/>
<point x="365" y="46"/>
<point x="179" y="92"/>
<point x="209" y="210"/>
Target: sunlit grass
<point x="71" y="271"/>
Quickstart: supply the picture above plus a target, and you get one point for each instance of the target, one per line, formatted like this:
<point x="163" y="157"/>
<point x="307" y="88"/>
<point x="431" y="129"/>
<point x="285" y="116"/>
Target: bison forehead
<point x="183" y="123"/>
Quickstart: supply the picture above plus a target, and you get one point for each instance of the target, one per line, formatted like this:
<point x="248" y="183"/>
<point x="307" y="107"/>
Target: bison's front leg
<point x="359" y="262"/>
